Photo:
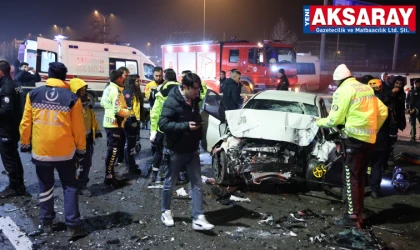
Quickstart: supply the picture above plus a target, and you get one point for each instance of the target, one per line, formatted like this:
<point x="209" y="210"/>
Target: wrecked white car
<point x="273" y="137"/>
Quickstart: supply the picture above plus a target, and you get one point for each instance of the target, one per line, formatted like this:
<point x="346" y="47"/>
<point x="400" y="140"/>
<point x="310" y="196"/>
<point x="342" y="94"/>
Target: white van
<point x="308" y="72"/>
<point x="91" y="62"/>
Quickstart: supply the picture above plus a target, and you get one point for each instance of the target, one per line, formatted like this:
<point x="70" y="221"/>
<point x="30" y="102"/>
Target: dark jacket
<point x="11" y="108"/>
<point x="174" y="122"/>
<point x="382" y="137"/>
<point x="413" y="99"/>
<point x="231" y="95"/>
<point x="283" y="84"/>
<point x="222" y="84"/>
<point x="397" y="110"/>
<point x="27" y="79"/>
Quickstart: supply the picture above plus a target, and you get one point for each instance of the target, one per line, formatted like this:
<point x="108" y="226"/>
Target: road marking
<point x="18" y="238"/>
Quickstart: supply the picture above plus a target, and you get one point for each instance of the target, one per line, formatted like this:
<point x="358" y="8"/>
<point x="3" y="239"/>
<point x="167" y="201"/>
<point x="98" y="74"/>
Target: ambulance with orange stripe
<point x="91" y="62"/>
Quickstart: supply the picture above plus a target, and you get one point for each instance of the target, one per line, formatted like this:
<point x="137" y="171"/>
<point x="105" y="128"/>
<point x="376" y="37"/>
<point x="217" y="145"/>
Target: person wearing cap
<point x="79" y="87"/>
<point x="10" y="116"/>
<point x="379" y="155"/>
<point x="283" y="81"/>
<point x="412" y="104"/>
<point x="53" y="129"/>
<point x="115" y="115"/>
<point x="356" y="108"/>
<point x="366" y="78"/>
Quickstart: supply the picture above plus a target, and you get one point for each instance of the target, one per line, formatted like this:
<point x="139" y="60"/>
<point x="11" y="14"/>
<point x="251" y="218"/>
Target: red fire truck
<point x="258" y="62"/>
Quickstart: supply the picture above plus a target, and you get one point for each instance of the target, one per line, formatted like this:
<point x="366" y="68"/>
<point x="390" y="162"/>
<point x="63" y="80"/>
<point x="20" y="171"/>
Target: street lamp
<point x="104" y="17"/>
<point x="61" y="29"/>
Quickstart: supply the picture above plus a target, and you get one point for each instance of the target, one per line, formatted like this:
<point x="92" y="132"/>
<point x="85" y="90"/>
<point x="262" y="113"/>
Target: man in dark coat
<point x="180" y="120"/>
<point x="231" y="93"/>
<point x="26" y="77"/>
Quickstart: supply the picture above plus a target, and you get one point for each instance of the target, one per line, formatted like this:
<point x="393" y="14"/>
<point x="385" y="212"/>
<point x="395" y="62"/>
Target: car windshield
<point x="282" y="106"/>
<point x="280" y="55"/>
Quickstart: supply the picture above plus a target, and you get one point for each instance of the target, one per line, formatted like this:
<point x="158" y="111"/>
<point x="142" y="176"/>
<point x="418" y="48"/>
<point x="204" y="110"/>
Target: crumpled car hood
<point x="272" y="125"/>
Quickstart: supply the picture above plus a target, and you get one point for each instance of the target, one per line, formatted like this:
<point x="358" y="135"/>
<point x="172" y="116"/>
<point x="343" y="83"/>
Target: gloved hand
<point x="153" y="136"/>
<point x="98" y="134"/>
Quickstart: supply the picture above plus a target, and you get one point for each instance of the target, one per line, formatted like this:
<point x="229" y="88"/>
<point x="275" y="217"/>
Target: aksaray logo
<point x="359" y="19"/>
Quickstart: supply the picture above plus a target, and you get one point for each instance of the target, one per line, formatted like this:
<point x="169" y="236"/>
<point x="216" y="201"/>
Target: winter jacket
<point x="283" y="84"/>
<point x="231" y="95"/>
<point x="27" y="79"/>
<point x="222" y="84"/>
<point x="356" y="107"/>
<point x="174" y="122"/>
<point x="397" y="106"/>
<point x="91" y="123"/>
<point x="382" y="137"/>
<point x="161" y="97"/>
<point x="413" y="99"/>
<point x="10" y="107"/>
<point x="116" y="111"/>
<point x="52" y="125"/>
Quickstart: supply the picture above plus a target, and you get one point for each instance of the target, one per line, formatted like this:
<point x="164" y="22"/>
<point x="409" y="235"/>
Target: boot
<point x="375" y="194"/>
<point x="134" y="170"/>
<point x="12" y="191"/>
<point x="84" y="191"/>
<point x="347" y="222"/>
<point x="114" y="182"/>
<point x="46" y="228"/>
<point x="77" y="232"/>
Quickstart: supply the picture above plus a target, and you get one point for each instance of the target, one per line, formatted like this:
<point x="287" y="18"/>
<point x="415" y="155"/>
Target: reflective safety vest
<point x="356" y="107"/>
<point x="114" y="104"/>
<point x="161" y="97"/>
<point x="52" y="126"/>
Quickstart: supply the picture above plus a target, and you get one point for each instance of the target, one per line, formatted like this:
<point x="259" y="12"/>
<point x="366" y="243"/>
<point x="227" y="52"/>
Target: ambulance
<point x="91" y="62"/>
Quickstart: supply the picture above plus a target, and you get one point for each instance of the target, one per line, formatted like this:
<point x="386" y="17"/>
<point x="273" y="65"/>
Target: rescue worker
<point x="53" y="129"/>
<point x="79" y="87"/>
<point x="151" y="88"/>
<point x="356" y="108"/>
<point x="132" y="95"/>
<point x="116" y="113"/>
<point x="222" y="80"/>
<point x="10" y="117"/>
<point x="121" y="155"/>
<point x="379" y="156"/>
<point x="231" y="92"/>
<point x="283" y="81"/>
<point x="181" y="122"/>
<point x="412" y="105"/>
<point x="157" y="136"/>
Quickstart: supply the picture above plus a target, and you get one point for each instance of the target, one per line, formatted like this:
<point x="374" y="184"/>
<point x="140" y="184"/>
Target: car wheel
<point x="303" y="88"/>
<point x="219" y="165"/>
<point x="310" y="176"/>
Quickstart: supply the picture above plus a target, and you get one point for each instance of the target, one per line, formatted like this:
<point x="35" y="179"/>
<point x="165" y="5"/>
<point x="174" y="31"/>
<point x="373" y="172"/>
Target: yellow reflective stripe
<point x="54" y="158"/>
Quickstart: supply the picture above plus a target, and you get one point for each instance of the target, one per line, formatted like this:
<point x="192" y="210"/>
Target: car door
<point x="213" y="116"/>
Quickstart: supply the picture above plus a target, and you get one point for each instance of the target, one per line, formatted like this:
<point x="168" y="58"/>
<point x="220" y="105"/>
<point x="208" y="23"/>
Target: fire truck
<point x="258" y="62"/>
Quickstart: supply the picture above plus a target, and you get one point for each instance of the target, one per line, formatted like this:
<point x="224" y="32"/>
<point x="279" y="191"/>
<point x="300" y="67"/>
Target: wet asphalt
<point x="277" y="216"/>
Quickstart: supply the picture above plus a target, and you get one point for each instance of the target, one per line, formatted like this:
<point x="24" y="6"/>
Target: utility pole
<point x="322" y="48"/>
<point x="204" y="28"/>
<point x="394" y="59"/>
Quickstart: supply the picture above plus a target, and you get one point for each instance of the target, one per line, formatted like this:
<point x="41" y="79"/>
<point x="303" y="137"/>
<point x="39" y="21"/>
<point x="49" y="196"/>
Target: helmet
<point x="375" y="84"/>
<point x="400" y="180"/>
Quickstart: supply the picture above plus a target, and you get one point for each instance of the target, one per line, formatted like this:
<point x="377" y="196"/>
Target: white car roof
<point x="290" y="96"/>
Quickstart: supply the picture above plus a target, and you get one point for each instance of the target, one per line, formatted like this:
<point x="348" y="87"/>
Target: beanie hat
<point x="57" y="70"/>
<point x="341" y="72"/>
<point x="76" y="84"/>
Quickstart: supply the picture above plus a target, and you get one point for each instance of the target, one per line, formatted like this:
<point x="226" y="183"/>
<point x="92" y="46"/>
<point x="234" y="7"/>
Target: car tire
<point x="219" y="165"/>
<point x="309" y="176"/>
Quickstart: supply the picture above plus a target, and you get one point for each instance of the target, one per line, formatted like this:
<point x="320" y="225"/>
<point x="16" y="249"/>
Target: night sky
<point x="140" y="21"/>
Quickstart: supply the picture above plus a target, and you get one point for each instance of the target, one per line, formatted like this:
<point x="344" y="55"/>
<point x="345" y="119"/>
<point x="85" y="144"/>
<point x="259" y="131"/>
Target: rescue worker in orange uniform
<point x="53" y="128"/>
<point x="79" y="87"/>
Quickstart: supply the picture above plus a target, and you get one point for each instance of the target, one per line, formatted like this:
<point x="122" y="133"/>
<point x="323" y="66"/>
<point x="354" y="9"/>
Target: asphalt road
<point x="129" y="218"/>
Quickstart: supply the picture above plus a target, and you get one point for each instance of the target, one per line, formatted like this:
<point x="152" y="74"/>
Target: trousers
<point x="85" y="164"/>
<point x="67" y="173"/>
<point x="11" y="161"/>
<point x="130" y="144"/>
<point x="177" y="161"/>
<point x="114" y="138"/>
<point x="157" y="157"/>
<point x="357" y="160"/>
<point x="378" y="160"/>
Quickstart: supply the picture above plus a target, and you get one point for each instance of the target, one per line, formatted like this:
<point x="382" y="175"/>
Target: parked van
<point x="308" y="72"/>
<point x="91" y="62"/>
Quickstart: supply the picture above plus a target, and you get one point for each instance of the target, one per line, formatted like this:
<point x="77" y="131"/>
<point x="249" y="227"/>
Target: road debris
<point x="155" y="186"/>
<point x="268" y="220"/>
<point x="207" y="180"/>
<point x="234" y="198"/>
<point x="181" y="192"/>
